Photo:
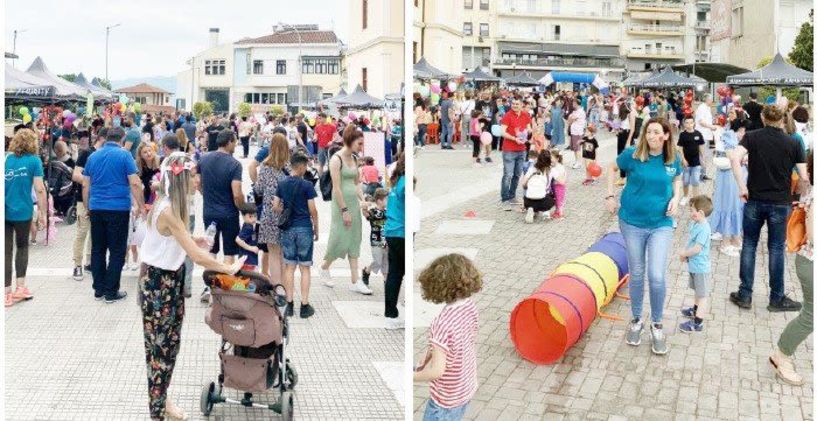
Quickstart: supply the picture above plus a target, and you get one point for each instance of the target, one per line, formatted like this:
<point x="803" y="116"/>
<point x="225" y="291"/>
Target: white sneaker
<point x="576" y="166"/>
<point x="730" y="251"/>
<point x="360" y="288"/>
<point x="394" y="323"/>
<point x="716" y="236"/>
<point x="529" y="216"/>
<point x="546" y="216"/>
<point x="326" y="278"/>
<point x="684" y="201"/>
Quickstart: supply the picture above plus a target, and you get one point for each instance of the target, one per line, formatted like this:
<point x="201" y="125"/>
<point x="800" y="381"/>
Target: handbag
<point x="285" y="219"/>
<point x="796" y="230"/>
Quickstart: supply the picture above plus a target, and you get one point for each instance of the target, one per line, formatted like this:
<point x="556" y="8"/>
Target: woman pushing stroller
<point x="164" y="249"/>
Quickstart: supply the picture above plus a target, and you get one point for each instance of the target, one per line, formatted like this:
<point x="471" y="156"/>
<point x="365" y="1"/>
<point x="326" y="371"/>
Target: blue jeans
<point x="446" y="133"/>
<point x="420" y="139"/>
<point x="647" y="250"/>
<point x="297" y="246"/>
<point x="755" y="214"/>
<point x="435" y="412"/>
<point x="511" y="172"/>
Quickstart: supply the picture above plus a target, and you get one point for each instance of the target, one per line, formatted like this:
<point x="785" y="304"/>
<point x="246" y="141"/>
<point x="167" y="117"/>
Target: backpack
<point x="540" y="182"/>
<point x="326" y="177"/>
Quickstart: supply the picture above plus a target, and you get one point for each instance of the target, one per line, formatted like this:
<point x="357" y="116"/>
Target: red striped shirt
<point x="455" y="331"/>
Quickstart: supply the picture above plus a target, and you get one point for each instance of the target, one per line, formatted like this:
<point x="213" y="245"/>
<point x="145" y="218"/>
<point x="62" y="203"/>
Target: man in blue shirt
<point x="446" y="129"/>
<point x="189" y="127"/>
<point x="110" y="181"/>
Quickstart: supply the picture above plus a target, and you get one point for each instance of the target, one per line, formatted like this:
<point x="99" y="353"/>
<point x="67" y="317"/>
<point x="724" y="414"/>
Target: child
<point x="247" y="238"/>
<point x="697" y="257"/>
<point x="136" y="234"/>
<point x="540" y="142"/>
<point x="376" y="215"/>
<point x="369" y="176"/>
<point x="559" y="176"/>
<point x="589" y="146"/>
<point x="450" y="364"/>
<point x="538" y="197"/>
<point x="299" y="232"/>
<point x="691" y="144"/>
<point x="475" y="130"/>
<point x="533" y="155"/>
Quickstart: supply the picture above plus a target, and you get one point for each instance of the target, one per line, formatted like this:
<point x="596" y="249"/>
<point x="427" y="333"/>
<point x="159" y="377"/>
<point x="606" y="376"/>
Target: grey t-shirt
<point x="444" y="106"/>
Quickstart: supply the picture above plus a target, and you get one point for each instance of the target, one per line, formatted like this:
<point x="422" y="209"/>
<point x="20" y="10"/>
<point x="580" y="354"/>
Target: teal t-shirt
<point x="396" y="210"/>
<point x="648" y="190"/>
<point x="20" y="173"/>
<point x="135" y="137"/>
<point x="699" y="233"/>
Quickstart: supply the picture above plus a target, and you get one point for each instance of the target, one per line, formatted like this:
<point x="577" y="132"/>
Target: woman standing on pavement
<point x="395" y="232"/>
<point x="557" y="121"/>
<point x="24" y="174"/>
<point x="166" y="245"/>
<point x="345" y="231"/>
<point x="648" y="203"/>
<point x="726" y="219"/>
<point x="270" y="174"/>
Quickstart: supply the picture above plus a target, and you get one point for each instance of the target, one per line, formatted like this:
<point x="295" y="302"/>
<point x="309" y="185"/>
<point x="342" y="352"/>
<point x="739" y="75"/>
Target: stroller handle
<point x="263" y="285"/>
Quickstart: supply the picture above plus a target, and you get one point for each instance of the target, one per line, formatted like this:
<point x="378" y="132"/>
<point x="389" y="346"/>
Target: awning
<point x="776" y="73"/>
<point x="711" y="72"/>
<point x="667" y="78"/>
<point x="583" y="50"/>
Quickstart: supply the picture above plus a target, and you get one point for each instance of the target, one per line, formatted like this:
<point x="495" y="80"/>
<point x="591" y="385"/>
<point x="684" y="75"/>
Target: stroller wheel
<point x="207" y="398"/>
<point x="292" y="376"/>
<point x="287" y="406"/>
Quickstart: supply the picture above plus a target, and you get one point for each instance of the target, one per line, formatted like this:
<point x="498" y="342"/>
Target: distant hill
<point x="167" y="83"/>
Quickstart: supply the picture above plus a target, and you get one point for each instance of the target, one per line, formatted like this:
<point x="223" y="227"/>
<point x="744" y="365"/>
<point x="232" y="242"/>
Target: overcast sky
<point x="156" y="37"/>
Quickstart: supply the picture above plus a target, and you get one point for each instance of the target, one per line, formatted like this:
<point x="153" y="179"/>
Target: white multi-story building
<point x="658" y="33"/>
<point x="438" y="35"/>
<point x="746" y="31"/>
<point x="293" y="65"/>
<point x="478" y="31"/>
<point x="374" y="59"/>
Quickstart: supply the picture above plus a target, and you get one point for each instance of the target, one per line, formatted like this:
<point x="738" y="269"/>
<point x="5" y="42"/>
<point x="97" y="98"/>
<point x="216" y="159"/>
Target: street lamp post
<point x="14" y="48"/>
<point x="107" y="35"/>
<point x="300" y="68"/>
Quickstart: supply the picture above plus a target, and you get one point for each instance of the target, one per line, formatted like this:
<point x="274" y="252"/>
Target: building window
<point x="469" y="4"/>
<point x="214" y="67"/>
<point x="365" y="79"/>
<point x="281" y="67"/>
<point x="208" y="67"/>
<point x="737" y="22"/>
<point x="483" y="29"/>
<point x="265" y="98"/>
<point x="557" y="32"/>
<point x="282" y="98"/>
<point x="467" y="28"/>
<point x="257" y="67"/>
<point x="256" y="98"/>
<point x="365" y="13"/>
<point x="320" y="66"/>
<point x="327" y="95"/>
<point x="483" y="4"/>
<point x="248" y="98"/>
<point x="334" y="67"/>
<point x="607" y="9"/>
<point x="556" y="7"/>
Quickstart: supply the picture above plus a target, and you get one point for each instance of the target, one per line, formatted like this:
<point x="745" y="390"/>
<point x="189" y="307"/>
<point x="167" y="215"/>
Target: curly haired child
<point x="450" y="364"/>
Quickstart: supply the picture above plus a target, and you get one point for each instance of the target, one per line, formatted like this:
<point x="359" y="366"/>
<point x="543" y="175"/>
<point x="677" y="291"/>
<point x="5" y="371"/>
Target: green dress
<point x="345" y="241"/>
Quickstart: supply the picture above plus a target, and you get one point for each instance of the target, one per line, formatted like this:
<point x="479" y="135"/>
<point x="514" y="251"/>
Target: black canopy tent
<point x="337" y="99"/>
<point x="711" y="72"/>
<point x="635" y="80"/>
<point x="425" y="71"/>
<point x="522" y="79"/>
<point x="667" y="78"/>
<point x="359" y="99"/>
<point x="479" y="76"/>
<point x="778" y="73"/>
<point x="100" y="94"/>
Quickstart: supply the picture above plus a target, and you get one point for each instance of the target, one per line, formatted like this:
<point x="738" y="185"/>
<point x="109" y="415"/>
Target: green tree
<point x="105" y="84"/>
<point x="202" y="109"/>
<point x="244" y="109"/>
<point x="71" y="77"/>
<point x="765" y="91"/>
<point x="277" y="110"/>
<point x="802" y="55"/>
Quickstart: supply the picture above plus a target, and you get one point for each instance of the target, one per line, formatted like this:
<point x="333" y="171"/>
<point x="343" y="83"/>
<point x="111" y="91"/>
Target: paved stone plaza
<point x="69" y="357"/>
<point x="722" y="374"/>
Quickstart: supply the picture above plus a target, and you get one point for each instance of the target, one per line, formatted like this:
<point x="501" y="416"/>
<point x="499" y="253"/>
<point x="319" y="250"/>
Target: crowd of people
<point x="133" y="181"/>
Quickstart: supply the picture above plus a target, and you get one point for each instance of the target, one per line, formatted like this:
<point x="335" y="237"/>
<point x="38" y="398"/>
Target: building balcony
<point x="539" y="13"/>
<point x="654" y="54"/>
<point x="703" y="25"/>
<point x="657" y="5"/>
<point x="645" y="29"/>
<point x="562" y="62"/>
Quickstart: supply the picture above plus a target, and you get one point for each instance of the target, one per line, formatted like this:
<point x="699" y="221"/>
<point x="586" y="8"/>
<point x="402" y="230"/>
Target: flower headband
<point x="174" y="168"/>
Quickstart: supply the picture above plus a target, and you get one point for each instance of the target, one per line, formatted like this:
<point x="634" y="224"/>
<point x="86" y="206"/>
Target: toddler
<point x="696" y="255"/>
<point x="539" y="142"/>
<point x="475" y="130"/>
<point x="533" y="155"/>
<point x="376" y="215"/>
<point x="136" y="234"/>
<point x="450" y="364"/>
<point x="589" y="146"/>
<point x="247" y="239"/>
<point x="559" y="176"/>
<point x="370" y="176"/>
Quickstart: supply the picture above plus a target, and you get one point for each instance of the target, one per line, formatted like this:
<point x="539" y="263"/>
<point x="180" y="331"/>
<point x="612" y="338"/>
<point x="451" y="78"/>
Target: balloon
<point x="76" y="123"/>
<point x="352" y="116"/>
<point x="123" y="99"/>
<point x="328" y="120"/>
<point x="23" y="111"/>
<point x="435" y="89"/>
<point x="720" y="109"/>
<point x="65" y="113"/>
<point x="496" y="130"/>
<point x="593" y="170"/>
<point x="452" y="86"/>
<point x="137" y="107"/>
<point x="486" y="138"/>
<point x="35" y="115"/>
<point x="36" y="109"/>
<point x="721" y="120"/>
<point x="311" y="121"/>
<point x="26" y="118"/>
<point x="424" y="91"/>
<point x="435" y="99"/>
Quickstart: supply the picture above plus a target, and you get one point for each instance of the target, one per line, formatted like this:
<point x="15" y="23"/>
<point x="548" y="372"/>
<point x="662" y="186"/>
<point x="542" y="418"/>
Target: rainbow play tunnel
<point x="552" y="319"/>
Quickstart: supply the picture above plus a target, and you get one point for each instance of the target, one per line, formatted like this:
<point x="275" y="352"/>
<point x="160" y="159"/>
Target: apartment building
<point x="374" y="59"/>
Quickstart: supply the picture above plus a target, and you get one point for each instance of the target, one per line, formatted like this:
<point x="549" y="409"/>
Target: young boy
<point x="247" y="239"/>
<point x="376" y="215"/>
<point x="370" y="178"/>
<point x="691" y="145"/>
<point x="299" y="232"/>
<point x="697" y="257"/>
<point x="450" y="364"/>
<point x="589" y="146"/>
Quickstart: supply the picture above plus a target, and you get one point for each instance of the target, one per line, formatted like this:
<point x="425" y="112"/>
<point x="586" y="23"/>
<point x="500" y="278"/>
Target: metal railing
<point x="658" y="4"/>
<point x="654" y="28"/>
<point x="701" y="24"/>
<point x="563" y="61"/>
<point x="653" y="52"/>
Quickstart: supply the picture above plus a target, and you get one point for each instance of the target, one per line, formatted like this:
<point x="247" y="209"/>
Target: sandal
<point x="173" y="412"/>
<point x="784" y="369"/>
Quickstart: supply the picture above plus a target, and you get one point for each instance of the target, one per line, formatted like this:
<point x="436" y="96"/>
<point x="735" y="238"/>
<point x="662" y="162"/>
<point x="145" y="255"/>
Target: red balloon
<point x="721" y="120"/>
<point x="593" y="170"/>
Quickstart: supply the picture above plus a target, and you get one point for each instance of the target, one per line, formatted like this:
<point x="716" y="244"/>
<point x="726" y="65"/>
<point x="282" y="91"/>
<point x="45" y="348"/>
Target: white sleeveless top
<point x="160" y="251"/>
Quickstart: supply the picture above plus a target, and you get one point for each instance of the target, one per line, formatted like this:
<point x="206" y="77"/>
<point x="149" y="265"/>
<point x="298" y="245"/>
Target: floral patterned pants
<point x="162" y="315"/>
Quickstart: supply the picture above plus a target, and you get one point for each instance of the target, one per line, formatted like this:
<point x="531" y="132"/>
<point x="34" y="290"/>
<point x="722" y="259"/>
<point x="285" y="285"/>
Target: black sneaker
<point x="99" y="297"/>
<point x="479" y="161"/>
<point x="785" y="304"/>
<point x="118" y="297"/>
<point x="306" y="311"/>
<point x="78" y="273"/>
<point x="735" y="298"/>
<point x="365" y="277"/>
<point x="87" y="268"/>
<point x="290" y="311"/>
<point x="488" y="159"/>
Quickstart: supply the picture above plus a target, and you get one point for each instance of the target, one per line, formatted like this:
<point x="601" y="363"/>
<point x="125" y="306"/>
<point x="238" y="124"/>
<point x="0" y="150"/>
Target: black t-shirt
<point x="753" y="109"/>
<point x="148" y="129"/>
<point x="146" y="176"/>
<point x="772" y="156"/>
<point x="82" y="159"/>
<point x="212" y="136"/>
<point x="690" y="143"/>
<point x="589" y="146"/>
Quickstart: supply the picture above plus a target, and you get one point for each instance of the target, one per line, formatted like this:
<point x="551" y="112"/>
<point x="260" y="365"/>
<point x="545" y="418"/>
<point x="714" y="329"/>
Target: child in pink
<point x="559" y="182"/>
<point x="369" y="176"/>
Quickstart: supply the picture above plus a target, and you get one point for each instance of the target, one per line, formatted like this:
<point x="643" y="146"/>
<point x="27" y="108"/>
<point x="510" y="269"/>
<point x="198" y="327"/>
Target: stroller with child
<point x="62" y="189"/>
<point x="247" y="310"/>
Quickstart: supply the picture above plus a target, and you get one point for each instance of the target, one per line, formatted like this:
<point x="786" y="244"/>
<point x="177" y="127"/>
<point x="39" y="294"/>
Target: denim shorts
<point x="297" y="245"/>
<point x="323" y="156"/>
<point x="435" y="412"/>
<point x="692" y="176"/>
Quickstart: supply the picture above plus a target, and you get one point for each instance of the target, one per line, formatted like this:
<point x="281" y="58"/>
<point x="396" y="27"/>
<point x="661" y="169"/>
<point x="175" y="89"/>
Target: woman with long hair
<point x="24" y="174"/>
<point x="395" y="233"/>
<point x="649" y="201"/>
<point x="346" y="231"/>
<point x="269" y="175"/>
<point x="167" y="243"/>
<point x="726" y="219"/>
<point x="624" y="137"/>
<point x="185" y="144"/>
<point x="147" y="165"/>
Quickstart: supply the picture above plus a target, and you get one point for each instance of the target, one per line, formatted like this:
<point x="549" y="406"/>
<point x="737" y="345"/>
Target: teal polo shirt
<point x="648" y="191"/>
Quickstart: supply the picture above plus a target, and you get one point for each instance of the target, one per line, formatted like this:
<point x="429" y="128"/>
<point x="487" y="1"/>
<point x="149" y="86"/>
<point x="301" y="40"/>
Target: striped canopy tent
<point x="425" y="71"/>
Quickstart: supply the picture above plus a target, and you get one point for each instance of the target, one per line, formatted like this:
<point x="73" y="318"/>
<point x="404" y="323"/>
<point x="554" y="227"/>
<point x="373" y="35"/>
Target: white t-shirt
<point x="558" y="171"/>
<point x="538" y="183"/>
<point x="703" y="113"/>
<point x="578" y="125"/>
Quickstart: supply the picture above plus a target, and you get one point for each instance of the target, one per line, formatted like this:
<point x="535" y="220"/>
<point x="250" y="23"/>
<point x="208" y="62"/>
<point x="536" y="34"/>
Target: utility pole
<point x="107" y="35"/>
<point x="14" y="48"/>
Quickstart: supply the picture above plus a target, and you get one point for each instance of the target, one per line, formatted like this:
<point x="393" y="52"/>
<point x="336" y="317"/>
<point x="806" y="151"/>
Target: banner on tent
<point x="374" y="145"/>
<point x="35" y="91"/>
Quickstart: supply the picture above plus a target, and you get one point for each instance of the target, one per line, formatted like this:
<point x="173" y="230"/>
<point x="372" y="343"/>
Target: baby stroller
<point x="247" y="310"/>
<point x="62" y="189"/>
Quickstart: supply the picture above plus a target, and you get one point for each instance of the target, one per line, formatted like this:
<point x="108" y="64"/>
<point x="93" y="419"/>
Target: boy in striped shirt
<point x="450" y="364"/>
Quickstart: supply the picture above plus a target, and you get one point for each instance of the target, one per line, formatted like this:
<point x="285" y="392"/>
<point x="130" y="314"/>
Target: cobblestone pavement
<point x="722" y="374"/>
<point x="69" y="357"/>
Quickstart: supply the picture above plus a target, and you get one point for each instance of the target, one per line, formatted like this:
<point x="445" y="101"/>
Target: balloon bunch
<point x="725" y="92"/>
<point x="69" y="119"/>
<point x="687" y="108"/>
<point x="26" y="115"/>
